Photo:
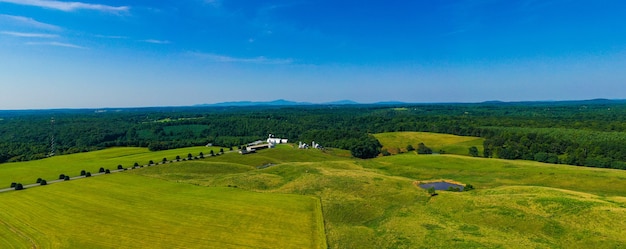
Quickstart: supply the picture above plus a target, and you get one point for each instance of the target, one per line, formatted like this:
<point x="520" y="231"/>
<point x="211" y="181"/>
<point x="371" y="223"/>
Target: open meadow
<point x="129" y="211"/>
<point x="72" y="164"/>
<point x="364" y="204"/>
<point x="396" y="142"/>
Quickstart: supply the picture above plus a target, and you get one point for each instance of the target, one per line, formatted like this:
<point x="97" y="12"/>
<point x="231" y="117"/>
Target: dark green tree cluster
<point x="512" y="130"/>
<point x="423" y="149"/>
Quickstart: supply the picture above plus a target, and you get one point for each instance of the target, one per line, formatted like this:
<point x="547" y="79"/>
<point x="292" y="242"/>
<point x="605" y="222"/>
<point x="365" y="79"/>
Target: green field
<point x="364" y="203"/>
<point x="51" y="168"/>
<point x="396" y="142"/>
<point x="129" y="211"/>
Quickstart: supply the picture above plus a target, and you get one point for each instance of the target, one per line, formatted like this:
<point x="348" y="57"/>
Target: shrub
<point x="431" y="191"/>
<point x="88" y="174"/>
<point x="107" y="171"/>
<point x="189" y="156"/>
<point x="201" y="154"/>
<point x="120" y="167"/>
<point x="136" y="164"/>
<point x="410" y="148"/>
<point x="101" y="170"/>
<point x="39" y="180"/>
<point x="385" y="152"/>
<point x="222" y="150"/>
<point x="423" y="149"/>
<point x="19" y="186"/>
<point x="473" y="151"/>
<point x="62" y="176"/>
<point x="67" y="178"/>
<point x="468" y="187"/>
<point x="151" y="162"/>
<point x="43" y="182"/>
<point x="212" y="153"/>
<point x="13" y="184"/>
<point x="164" y="160"/>
<point x="82" y="172"/>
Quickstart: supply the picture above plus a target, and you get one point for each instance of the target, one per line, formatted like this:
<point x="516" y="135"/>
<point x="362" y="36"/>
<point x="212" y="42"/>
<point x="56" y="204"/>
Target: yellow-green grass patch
<point x="71" y="165"/>
<point x="396" y="142"/>
<point x="129" y="211"/>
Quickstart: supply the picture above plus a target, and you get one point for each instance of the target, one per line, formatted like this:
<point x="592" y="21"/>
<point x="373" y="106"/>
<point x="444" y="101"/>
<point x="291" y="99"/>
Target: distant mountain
<point x="389" y="103"/>
<point x="279" y="102"/>
<point x="341" y="102"/>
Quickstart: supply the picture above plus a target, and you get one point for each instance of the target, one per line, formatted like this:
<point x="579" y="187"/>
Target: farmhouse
<point x="259" y="145"/>
<point x="274" y="140"/>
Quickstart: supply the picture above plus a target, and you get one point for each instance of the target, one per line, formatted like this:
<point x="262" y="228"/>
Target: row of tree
<point x="577" y="133"/>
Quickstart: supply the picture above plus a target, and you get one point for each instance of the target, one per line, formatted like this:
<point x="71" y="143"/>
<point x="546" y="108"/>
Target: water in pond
<point x="440" y="185"/>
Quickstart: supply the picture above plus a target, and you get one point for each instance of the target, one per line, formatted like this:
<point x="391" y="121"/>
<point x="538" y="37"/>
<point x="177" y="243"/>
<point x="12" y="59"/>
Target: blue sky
<point x="111" y="53"/>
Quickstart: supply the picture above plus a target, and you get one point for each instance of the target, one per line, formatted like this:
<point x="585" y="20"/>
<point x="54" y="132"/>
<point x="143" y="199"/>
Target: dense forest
<point x="590" y="133"/>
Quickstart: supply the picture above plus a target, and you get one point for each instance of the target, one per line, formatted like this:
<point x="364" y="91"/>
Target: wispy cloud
<point x="69" y="6"/>
<point x="32" y="35"/>
<point x="28" y="22"/>
<point x="153" y="41"/>
<point x="56" y="44"/>
<point x="111" y="36"/>
<point x="229" y="59"/>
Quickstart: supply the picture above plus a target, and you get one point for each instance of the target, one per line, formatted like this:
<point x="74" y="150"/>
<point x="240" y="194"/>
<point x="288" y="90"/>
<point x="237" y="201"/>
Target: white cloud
<point x="153" y="41"/>
<point x="32" y="35"/>
<point x="111" y="36"/>
<point x="254" y="60"/>
<point x="28" y="21"/>
<point x="57" y="44"/>
<point x="69" y="6"/>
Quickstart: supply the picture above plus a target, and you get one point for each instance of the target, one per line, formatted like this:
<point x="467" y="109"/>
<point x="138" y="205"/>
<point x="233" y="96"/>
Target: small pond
<point x="440" y="185"/>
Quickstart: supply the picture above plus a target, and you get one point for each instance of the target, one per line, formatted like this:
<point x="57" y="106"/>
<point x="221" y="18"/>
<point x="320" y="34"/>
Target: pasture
<point x="129" y="211"/>
<point x="72" y="164"/>
<point x="364" y="203"/>
<point x="396" y="142"/>
<point x="374" y="203"/>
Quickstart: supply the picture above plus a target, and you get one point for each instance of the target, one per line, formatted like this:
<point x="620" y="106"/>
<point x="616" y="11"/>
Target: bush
<point x="151" y="162"/>
<point x="101" y="170"/>
<point x="13" y="184"/>
<point x="410" y="148"/>
<point x="468" y="187"/>
<point x="120" y="167"/>
<point x="88" y="174"/>
<point x="67" y="178"/>
<point x="164" y="160"/>
<point x="82" y="172"/>
<point x="473" y="151"/>
<point x="423" y="149"/>
<point x="136" y="164"/>
<point x="385" y="152"/>
<point x="19" y="186"/>
<point x="62" y="176"/>
<point x="107" y="171"/>
<point x="43" y="182"/>
<point x="431" y="191"/>
<point x="39" y="180"/>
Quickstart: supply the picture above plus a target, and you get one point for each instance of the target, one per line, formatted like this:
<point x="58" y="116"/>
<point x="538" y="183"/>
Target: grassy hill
<point x="51" y="168"/>
<point x="374" y="203"/>
<point x="364" y="203"/>
<point x="396" y="142"/>
<point x="130" y="211"/>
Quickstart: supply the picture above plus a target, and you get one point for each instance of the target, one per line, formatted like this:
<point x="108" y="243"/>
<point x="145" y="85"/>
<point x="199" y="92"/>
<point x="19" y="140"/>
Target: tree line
<point x="578" y="133"/>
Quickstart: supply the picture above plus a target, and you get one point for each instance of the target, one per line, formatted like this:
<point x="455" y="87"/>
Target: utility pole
<point x="51" y="137"/>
